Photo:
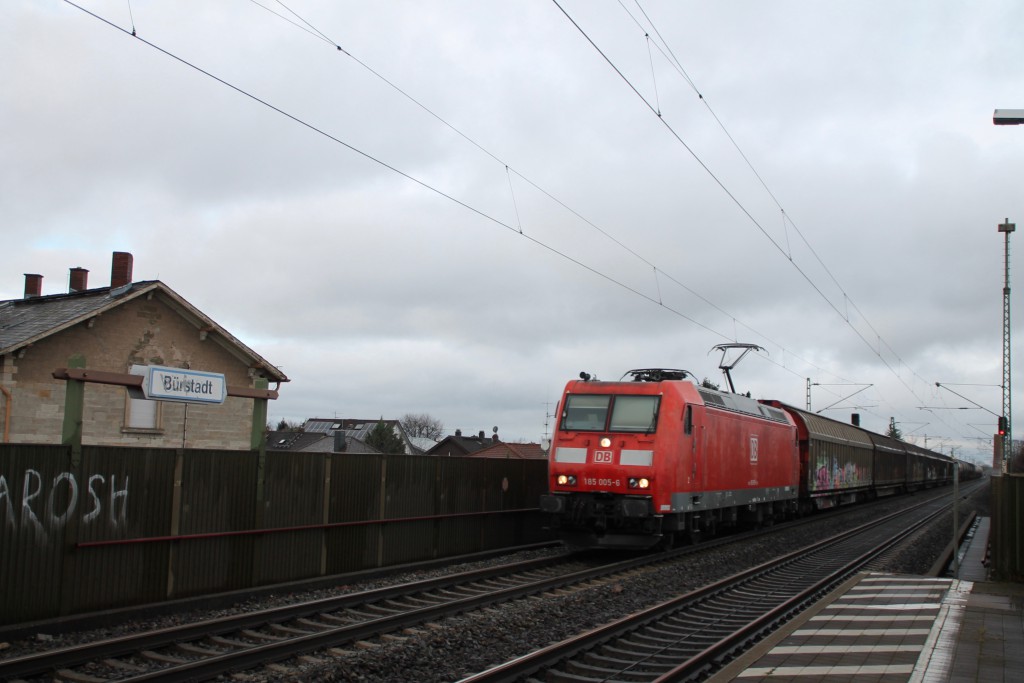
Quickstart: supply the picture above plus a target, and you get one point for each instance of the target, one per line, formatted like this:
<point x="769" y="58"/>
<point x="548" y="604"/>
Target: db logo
<point x="603" y="456"/>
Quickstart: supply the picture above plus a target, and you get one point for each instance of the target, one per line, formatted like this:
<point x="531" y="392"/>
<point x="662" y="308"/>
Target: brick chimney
<point x="33" y="285"/>
<point x="121" y="269"/>
<point x="79" y="280"/>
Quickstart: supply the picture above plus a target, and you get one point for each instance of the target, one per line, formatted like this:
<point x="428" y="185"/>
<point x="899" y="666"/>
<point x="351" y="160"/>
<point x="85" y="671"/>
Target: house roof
<point x="297" y="441"/>
<point x="353" y="445"/>
<point x="520" y="451"/>
<point x="457" y="444"/>
<point x="358" y="430"/>
<point x="424" y="443"/>
<point x="306" y="442"/>
<point x="24" y="322"/>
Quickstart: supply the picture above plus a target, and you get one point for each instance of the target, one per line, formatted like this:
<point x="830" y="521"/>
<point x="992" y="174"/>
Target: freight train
<point x="658" y="460"/>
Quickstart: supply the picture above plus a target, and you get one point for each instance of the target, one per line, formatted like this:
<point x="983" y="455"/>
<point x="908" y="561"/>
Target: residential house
<point x="457" y="444"/>
<point x="317" y="442"/>
<point x="515" y="451"/>
<point x="114" y="328"/>
<point x="356" y="431"/>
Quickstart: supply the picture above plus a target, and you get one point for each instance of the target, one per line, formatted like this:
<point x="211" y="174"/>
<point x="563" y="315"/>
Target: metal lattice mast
<point x="1006" y="228"/>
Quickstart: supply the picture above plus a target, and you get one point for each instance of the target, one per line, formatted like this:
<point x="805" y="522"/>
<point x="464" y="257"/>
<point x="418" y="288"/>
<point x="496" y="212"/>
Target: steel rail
<point x="755" y="630"/>
<point x="748" y="631"/>
<point x="210" y="667"/>
<point x="78" y="654"/>
<point x="54" y="660"/>
<point x="125" y="645"/>
<point x="46" y="662"/>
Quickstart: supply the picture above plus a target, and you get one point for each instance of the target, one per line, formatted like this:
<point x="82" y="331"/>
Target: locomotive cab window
<point x="590" y="413"/>
<point x="585" y="413"/>
<point x="634" y="414"/>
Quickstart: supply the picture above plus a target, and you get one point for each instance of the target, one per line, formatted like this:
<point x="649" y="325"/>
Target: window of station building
<point x="142" y="415"/>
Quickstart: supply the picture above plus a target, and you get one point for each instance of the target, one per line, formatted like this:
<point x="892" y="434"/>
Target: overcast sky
<point x="455" y="207"/>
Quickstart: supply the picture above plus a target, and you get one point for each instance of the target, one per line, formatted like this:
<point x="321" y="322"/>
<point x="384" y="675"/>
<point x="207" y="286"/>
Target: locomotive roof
<point x="658" y="374"/>
<point x="740" y="404"/>
<point x="736" y="403"/>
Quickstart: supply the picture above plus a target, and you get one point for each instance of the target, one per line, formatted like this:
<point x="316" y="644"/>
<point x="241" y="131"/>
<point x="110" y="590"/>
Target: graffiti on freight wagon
<point x="44" y="507"/>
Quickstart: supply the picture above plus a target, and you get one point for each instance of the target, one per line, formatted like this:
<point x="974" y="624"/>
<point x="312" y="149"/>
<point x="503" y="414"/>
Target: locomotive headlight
<point x="566" y="480"/>
<point x="606" y="442"/>
<point x="639" y="483"/>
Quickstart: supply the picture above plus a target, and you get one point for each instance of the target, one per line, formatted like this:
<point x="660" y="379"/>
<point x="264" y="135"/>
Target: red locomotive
<point x="659" y="459"/>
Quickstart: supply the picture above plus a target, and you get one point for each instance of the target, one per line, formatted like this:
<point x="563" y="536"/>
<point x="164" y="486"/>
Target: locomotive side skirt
<point x="710" y="500"/>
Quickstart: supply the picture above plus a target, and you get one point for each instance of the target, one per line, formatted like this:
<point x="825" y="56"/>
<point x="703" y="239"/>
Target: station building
<point x="112" y="329"/>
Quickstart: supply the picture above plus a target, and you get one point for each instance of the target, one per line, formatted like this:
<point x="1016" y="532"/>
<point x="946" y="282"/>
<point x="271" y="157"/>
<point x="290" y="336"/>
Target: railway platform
<point x="891" y="628"/>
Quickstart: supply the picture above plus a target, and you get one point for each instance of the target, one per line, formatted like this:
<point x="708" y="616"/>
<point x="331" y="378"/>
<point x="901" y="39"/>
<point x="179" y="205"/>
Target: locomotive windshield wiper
<point x="650" y="427"/>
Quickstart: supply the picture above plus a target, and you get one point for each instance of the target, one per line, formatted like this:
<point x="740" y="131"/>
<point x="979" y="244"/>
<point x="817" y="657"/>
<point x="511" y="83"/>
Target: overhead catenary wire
<point x="714" y="177"/>
<point x="306" y="26"/>
<point x="676" y="64"/>
<point x="309" y="28"/>
<point x="394" y="169"/>
<point x="512" y="191"/>
<point x="654" y="76"/>
<point x="658" y="112"/>
<point x="301" y="24"/>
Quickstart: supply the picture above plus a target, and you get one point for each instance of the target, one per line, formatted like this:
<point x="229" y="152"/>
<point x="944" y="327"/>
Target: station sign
<point x="184" y="386"/>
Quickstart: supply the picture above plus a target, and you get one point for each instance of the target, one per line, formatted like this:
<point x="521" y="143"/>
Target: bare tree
<point x="423" y="425"/>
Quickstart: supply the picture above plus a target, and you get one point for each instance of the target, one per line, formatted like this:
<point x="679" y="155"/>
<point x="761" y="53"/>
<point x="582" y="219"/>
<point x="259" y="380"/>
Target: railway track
<point x="205" y="649"/>
<point x="689" y="637"/>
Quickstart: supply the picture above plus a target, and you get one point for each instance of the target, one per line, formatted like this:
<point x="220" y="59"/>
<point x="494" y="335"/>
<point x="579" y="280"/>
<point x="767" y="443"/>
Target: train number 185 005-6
<point x="594" y="481"/>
